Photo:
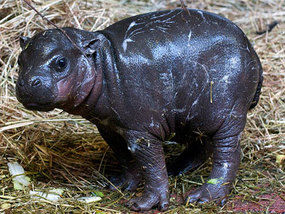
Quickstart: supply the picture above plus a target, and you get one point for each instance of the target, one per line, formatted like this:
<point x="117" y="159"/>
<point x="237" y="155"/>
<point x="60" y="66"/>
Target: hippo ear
<point x="24" y="41"/>
<point x="90" y="46"/>
<point x="93" y="41"/>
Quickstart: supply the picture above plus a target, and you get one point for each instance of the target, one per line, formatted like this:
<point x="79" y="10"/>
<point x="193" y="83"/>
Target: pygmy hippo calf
<point x="145" y="79"/>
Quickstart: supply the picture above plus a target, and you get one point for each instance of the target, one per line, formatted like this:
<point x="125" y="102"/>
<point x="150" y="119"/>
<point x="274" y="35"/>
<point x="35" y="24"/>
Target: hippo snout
<point x="35" y="93"/>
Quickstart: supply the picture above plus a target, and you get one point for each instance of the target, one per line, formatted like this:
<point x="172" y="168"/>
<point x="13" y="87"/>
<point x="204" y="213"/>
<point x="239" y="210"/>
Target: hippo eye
<point x="61" y="63"/>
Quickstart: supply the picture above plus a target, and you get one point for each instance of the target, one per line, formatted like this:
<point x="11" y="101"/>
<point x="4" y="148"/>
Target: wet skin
<point x="144" y="79"/>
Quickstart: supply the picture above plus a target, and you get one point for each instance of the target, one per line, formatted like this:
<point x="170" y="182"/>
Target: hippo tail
<point x="259" y="85"/>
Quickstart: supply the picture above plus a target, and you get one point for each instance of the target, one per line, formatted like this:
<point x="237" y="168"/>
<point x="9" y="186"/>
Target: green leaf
<point x="214" y="180"/>
<point x="98" y="193"/>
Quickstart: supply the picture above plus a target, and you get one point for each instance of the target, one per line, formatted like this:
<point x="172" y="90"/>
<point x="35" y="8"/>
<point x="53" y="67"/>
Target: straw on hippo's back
<point x="144" y="79"/>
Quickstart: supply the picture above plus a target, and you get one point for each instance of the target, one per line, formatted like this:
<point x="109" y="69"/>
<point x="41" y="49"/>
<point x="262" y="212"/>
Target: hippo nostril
<point x="36" y="82"/>
<point x="21" y="82"/>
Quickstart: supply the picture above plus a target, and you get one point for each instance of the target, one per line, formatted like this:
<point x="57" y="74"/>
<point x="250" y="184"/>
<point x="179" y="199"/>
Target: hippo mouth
<point x="39" y="107"/>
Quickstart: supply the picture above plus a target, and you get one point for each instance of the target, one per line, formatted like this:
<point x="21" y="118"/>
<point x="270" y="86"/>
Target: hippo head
<point x="56" y="73"/>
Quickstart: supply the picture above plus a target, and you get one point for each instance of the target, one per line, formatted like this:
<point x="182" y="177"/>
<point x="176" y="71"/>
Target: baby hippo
<point x="190" y="75"/>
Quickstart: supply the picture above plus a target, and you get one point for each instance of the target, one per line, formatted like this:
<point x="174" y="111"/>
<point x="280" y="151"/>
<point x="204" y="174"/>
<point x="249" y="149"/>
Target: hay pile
<point x="62" y="151"/>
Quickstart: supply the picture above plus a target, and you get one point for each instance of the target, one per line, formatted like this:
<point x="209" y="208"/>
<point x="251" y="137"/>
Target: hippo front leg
<point x="131" y="175"/>
<point x="226" y="159"/>
<point x="148" y="152"/>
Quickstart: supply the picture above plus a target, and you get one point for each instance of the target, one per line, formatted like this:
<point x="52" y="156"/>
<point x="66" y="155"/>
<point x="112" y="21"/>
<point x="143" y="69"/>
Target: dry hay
<point x="60" y="150"/>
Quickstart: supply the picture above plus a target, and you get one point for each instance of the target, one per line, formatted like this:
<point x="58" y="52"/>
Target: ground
<point x="58" y="150"/>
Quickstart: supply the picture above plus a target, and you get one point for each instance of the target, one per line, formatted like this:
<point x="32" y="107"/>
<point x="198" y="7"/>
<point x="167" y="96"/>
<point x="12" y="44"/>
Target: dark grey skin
<point x="145" y="79"/>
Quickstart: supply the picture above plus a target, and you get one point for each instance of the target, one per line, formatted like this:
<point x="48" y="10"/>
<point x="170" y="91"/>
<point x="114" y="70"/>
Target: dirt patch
<point x="272" y="203"/>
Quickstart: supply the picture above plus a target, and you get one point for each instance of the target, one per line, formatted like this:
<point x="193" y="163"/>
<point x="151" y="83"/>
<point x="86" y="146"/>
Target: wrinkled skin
<point x="145" y="78"/>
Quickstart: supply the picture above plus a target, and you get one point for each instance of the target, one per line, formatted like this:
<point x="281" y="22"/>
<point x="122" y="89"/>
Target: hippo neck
<point x="97" y="106"/>
<point x="95" y="92"/>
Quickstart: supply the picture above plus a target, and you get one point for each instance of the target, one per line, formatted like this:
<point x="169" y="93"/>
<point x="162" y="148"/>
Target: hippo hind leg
<point x="226" y="159"/>
<point x="197" y="151"/>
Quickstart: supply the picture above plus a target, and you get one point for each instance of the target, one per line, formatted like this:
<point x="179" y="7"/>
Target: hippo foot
<point x="209" y="192"/>
<point x="148" y="200"/>
<point x="127" y="181"/>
